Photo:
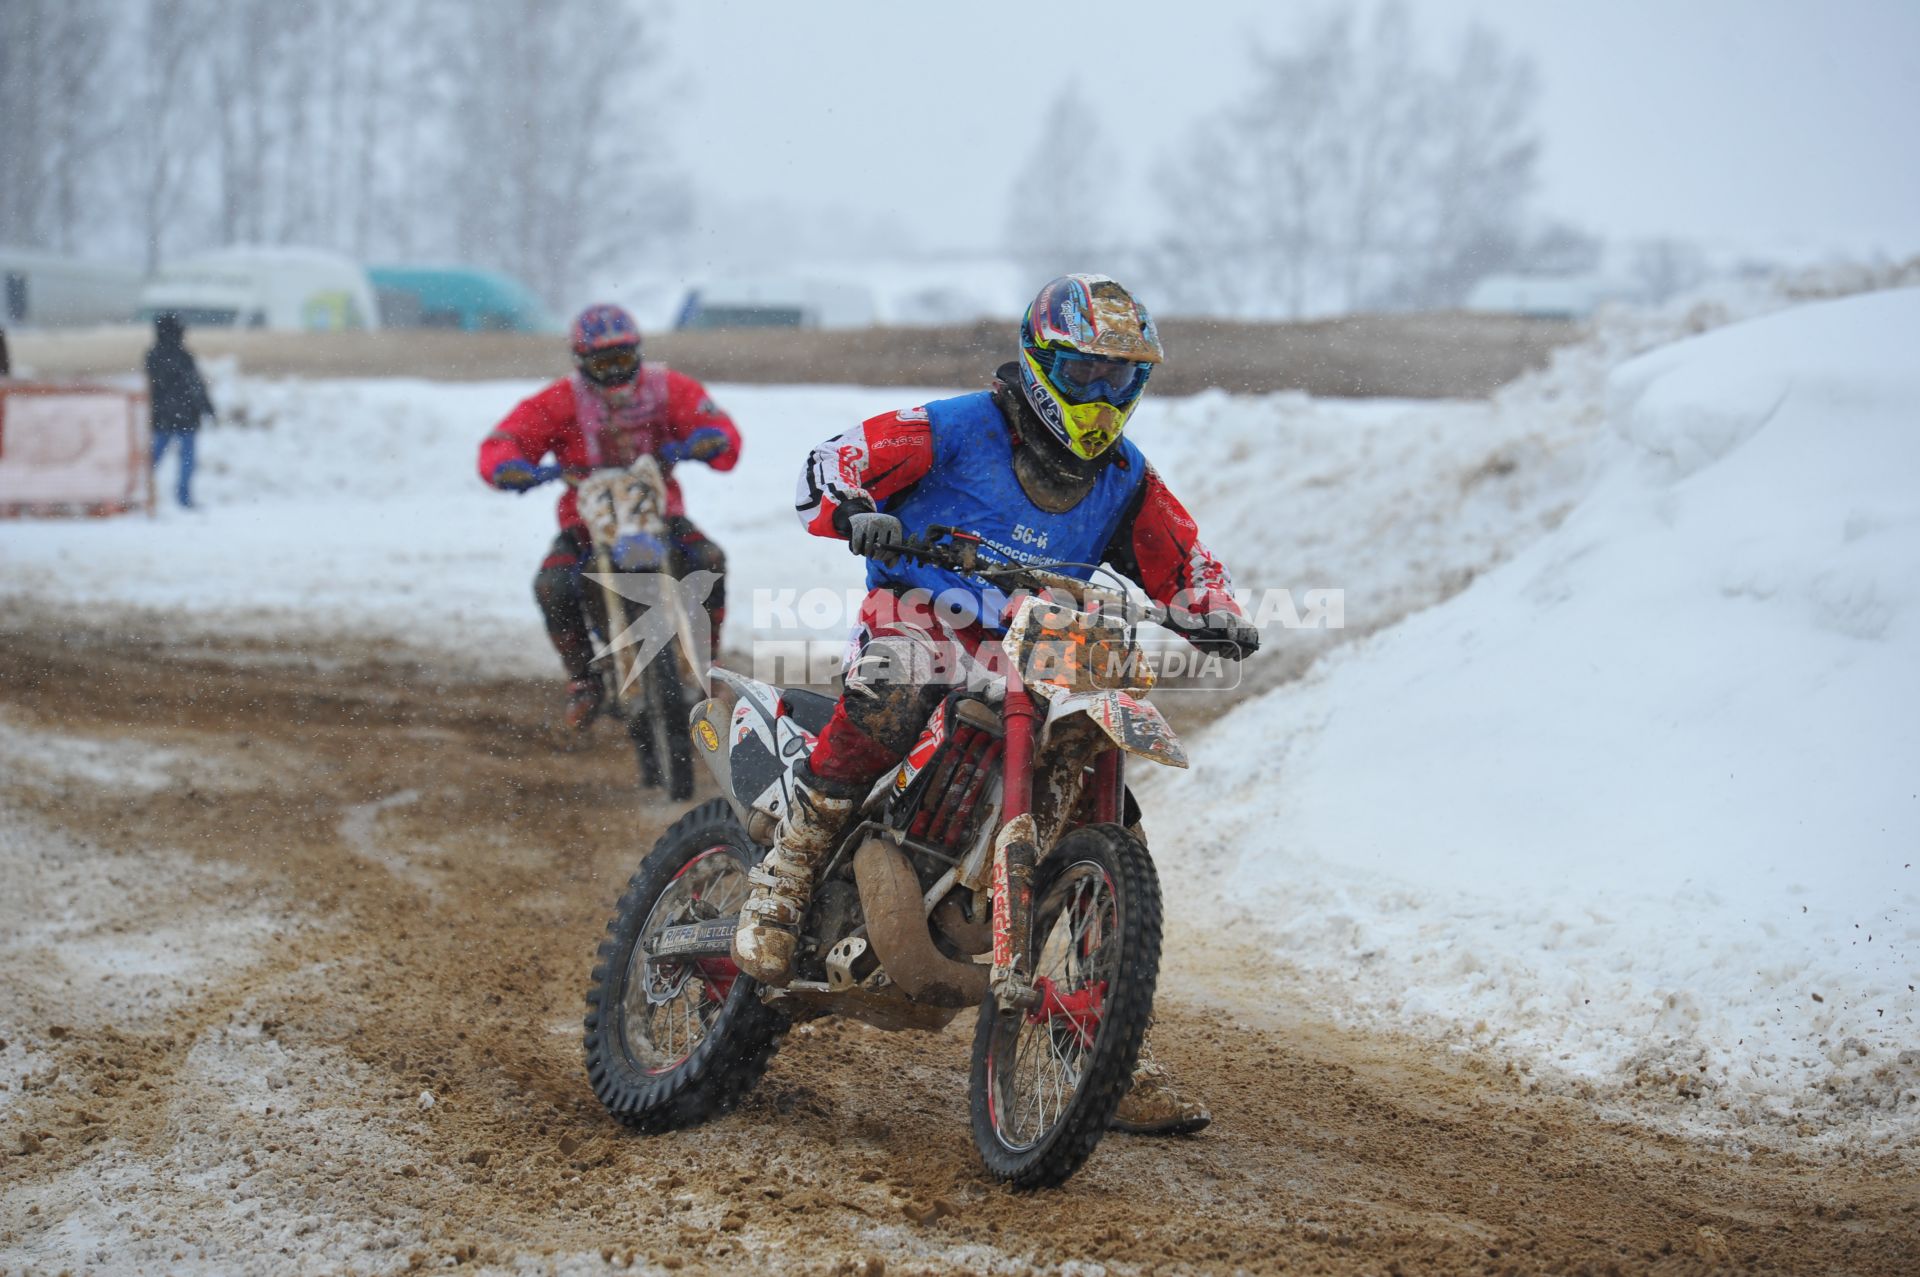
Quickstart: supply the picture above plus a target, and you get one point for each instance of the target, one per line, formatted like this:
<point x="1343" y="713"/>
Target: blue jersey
<point x="972" y="487"/>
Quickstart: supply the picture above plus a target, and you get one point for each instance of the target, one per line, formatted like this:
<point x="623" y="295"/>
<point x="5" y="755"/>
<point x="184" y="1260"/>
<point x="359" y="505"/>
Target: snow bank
<point x="1643" y="803"/>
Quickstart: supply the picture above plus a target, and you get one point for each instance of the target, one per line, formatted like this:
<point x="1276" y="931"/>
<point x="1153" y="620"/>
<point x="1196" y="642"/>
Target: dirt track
<point x="416" y="879"/>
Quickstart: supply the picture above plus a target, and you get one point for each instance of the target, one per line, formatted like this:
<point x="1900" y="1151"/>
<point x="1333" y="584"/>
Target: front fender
<point x="747" y="743"/>
<point x="1131" y="723"/>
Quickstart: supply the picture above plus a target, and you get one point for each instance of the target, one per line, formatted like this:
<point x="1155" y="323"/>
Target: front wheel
<point x="657" y="724"/>
<point x="1046" y="1080"/>
<point x="674" y="1041"/>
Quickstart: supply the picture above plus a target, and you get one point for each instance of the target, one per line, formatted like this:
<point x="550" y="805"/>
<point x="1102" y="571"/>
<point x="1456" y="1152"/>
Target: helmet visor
<point x="1083" y="378"/>
<point x="614" y="366"/>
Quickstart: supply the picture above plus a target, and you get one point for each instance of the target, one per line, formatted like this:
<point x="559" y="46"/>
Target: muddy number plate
<point x="711" y="939"/>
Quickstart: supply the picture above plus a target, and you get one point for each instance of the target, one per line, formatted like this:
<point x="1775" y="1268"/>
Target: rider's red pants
<point x="902" y="661"/>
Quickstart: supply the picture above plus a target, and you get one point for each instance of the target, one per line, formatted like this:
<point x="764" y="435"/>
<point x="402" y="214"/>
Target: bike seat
<point x="810" y="710"/>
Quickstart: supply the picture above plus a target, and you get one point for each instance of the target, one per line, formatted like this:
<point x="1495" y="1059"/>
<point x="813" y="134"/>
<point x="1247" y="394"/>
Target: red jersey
<point x="584" y="431"/>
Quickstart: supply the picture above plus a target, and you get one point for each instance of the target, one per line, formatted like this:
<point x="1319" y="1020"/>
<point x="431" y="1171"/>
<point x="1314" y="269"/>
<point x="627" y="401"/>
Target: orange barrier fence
<point x="73" y="449"/>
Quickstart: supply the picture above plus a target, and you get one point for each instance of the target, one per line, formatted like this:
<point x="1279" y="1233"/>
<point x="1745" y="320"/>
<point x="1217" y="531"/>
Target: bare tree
<point x="23" y="131"/>
<point x="1058" y="218"/>
<point x="556" y="185"/>
<point x="166" y="113"/>
<point x="1249" y="210"/>
<point x="152" y="127"/>
<point x="76" y="132"/>
<point x="1354" y="173"/>
<point x="1560" y="248"/>
<point x="1665" y="268"/>
<point x="246" y="50"/>
<point x="51" y="131"/>
<point x="1479" y="174"/>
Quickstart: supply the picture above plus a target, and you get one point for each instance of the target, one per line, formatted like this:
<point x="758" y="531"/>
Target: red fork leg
<point x="1019" y="714"/>
<point x="1014" y="853"/>
<point x="1109" y="787"/>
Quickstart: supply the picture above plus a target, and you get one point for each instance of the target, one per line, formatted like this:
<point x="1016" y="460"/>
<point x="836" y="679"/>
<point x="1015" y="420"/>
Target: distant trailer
<point x="458" y="297"/>
<point x="1572" y="297"/>
<point x="284" y="289"/>
<point x="43" y="290"/>
<point x="776" y="303"/>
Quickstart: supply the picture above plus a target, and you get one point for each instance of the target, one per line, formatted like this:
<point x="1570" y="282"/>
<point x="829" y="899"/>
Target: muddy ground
<point x="1423" y="356"/>
<point x="259" y="904"/>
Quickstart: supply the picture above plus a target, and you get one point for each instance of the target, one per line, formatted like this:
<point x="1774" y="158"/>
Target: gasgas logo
<point x="923" y="750"/>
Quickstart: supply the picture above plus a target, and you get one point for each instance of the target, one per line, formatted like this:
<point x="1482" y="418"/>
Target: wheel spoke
<point x="1046" y="1056"/>
<point x="660" y="1033"/>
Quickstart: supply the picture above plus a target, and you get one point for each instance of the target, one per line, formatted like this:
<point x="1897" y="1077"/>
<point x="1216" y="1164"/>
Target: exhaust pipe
<point x="897" y="928"/>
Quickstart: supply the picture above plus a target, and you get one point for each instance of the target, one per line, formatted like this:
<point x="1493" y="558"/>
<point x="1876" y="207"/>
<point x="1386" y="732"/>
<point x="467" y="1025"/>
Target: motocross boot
<point x="1154" y="1106"/>
<point x="583" y="702"/>
<point x="763" y="946"/>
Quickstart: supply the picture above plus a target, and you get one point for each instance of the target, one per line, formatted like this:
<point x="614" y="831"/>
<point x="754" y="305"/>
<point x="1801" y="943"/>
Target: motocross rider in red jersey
<point x="612" y="411"/>
<point x="1036" y="467"/>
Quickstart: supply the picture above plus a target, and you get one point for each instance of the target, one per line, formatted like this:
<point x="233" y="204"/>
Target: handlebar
<point x="572" y="476"/>
<point x="950" y="548"/>
<point x="957" y="551"/>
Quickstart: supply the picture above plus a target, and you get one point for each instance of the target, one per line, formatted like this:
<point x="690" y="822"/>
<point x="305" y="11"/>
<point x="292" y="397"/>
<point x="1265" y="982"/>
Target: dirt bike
<point x="625" y="510"/>
<point x="993" y="868"/>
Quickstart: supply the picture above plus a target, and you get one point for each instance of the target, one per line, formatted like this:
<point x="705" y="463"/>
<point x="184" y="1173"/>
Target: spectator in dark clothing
<point x="6" y="364"/>
<point x="179" y="399"/>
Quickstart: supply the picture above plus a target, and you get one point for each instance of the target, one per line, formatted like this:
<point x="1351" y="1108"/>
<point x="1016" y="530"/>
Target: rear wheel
<point x="1046" y="1080"/>
<point x="671" y="1042"/>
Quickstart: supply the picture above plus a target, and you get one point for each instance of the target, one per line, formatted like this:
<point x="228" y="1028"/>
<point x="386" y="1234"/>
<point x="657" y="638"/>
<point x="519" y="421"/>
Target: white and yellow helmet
<point x="1086" y="350"/>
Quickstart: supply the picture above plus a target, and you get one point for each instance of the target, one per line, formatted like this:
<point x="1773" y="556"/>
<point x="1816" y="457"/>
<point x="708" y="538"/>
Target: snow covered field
<point x="1633" y="807"/>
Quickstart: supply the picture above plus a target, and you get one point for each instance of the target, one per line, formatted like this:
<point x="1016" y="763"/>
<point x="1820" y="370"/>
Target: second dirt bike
<point x="998" y="867"/>
<point x="625" y="511"/>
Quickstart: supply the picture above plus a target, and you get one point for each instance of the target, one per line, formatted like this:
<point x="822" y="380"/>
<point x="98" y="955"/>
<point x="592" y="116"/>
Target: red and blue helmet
<point x="1086" y="350"/>
<point x="606" y="345"/>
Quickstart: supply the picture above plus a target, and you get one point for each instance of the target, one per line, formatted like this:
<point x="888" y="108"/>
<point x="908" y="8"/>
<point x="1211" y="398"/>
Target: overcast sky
<point x="1782" y="125"/>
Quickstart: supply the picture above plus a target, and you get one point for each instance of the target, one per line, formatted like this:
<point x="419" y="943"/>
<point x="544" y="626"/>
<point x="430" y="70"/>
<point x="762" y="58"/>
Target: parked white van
<point x="43" y="290"/>
<point x="298" y="289"/>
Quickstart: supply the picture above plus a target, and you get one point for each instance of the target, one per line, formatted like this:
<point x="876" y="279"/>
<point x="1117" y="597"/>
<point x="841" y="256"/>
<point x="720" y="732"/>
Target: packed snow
<point x="1642" y="804"/>
<point x="1604" y="776"/>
